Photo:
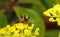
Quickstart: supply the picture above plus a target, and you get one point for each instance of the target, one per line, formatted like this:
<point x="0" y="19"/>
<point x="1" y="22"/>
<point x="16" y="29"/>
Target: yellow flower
<point x="52" y="11"/>
<point x="16" y="31"/>
<point x="22" y="30"/>
<point x="7" y="36"/>
<point x="2" y="31"/>
<point x="51" y="19"/>
<point x="22" y="35"/>
<point x="46" y="13"/>
<point x="8" y="26"/>
<point x="55" y="11"/>
<point x="20" y="26"/>
<point x="16" y="35"/>
<point x="31" y="27"/>
<point x="33" y="36"/>
<point x="58" y="21"/>
<point x="56" y="7"/>
<point x="27" y="32"/>
<point x="12" y="29"/>
<point x="25" y="26"/>
<point x="37" y="31"/>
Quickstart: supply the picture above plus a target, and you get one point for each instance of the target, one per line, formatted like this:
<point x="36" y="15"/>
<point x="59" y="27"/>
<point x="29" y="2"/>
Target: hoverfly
<point x="24" y="18"/>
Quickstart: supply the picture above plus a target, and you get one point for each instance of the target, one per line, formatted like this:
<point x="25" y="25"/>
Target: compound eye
<point x="27" y="17"/>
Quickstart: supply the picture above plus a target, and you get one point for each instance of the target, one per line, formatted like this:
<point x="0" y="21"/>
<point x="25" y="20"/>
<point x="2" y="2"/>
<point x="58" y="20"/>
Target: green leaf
<point x="39" y="8"/>
<point x="52" y="33"/>
<point x="36" y="6"/>
<point x="30" y="1"/>
<point x="3" y="20"/>
<point x="48" y="3"/>
<point x="34" y="18"/>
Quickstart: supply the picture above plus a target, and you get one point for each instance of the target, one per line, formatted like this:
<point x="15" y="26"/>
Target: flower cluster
<point x="54" y="14"/>
<point x="19" y="30"/>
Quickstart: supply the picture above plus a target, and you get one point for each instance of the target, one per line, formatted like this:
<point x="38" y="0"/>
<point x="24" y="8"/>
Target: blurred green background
<point x="11" y="9"/>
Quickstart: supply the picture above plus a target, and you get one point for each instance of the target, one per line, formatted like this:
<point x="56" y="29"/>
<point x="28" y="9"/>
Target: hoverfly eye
<point x="26" y="17"/>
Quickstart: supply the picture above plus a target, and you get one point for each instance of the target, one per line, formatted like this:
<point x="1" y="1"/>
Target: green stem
<point x="59" y="33"/>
